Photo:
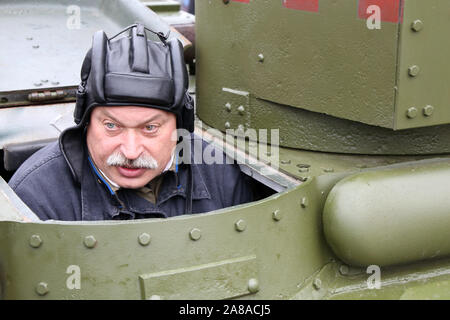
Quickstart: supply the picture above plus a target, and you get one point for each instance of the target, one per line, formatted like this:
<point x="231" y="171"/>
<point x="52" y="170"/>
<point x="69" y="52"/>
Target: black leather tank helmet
<point x="133" y="70"/>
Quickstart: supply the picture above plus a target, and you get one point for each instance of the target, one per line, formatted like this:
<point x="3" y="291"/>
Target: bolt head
<point x="411" y="113"/>
<point x="240" y="225"/>
<point x="241" y="109"/>
<point x="277" y="215"/>
<point x="304" y="202"/>
<point x="90" y="242"/>
<point x="414" y="71"/>
<point x="417" y="25"/>
<point x="253" y="285"/>
<point x="260" y="57"/>
<point x="286" y="161"/>
<point x="428" y="110"/>
<point x="344" y="270"/>
<point x="35" y="241"/>
<point x="144" y="239"/>
<point x="228" y="107"/>
<point x="195" y="234"/>
<point x="227" y="125"/>
<point x="317" y="284"/>
<point x="42" y="288"/>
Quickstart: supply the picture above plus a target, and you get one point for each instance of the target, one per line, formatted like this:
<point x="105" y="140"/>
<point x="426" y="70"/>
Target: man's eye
<point x="110" y="125"/>
<point x="151" y="128"/>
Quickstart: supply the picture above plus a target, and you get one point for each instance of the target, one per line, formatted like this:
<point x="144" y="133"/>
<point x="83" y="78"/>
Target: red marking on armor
<point x="304" y="5"/>
<point x="244" y="1"/>
<point x="391" y="10"/>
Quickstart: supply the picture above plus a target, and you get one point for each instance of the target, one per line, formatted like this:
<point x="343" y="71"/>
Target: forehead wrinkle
<point x="114" y="118"/>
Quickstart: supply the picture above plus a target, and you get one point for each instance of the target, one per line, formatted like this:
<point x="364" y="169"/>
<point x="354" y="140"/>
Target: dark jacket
<point x="57" y="182"/>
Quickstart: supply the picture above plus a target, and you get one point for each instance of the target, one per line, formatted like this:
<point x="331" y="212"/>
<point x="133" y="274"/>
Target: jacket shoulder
<point x="44" y="183"/>
<point x="40" y="164"/>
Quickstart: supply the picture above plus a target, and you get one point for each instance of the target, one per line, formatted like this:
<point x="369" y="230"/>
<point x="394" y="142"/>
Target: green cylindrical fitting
<point x="391" y="216"/>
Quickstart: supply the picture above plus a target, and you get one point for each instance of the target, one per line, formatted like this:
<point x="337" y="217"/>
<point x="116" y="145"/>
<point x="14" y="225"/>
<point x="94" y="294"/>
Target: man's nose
<point x="131" y="146"/>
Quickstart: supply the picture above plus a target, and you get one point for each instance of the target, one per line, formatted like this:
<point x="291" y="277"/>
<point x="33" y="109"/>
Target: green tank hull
<point x="360" y="182"/>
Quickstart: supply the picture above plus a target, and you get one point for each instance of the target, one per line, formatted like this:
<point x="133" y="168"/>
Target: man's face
<point x="118" y="135"/>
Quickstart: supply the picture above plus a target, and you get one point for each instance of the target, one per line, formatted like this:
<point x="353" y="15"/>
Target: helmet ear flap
<point x="81" y="91"/>
<point x="187" y="113"/>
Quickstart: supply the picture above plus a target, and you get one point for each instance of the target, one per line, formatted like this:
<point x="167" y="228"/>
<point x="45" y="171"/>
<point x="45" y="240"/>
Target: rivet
<point x="317" y="284"/>
<point x="277" y="215"/>
<point x="241" y="110"/>
<point x="37" y="84"/>
<point x="228" y="106"/>
<point x="411" y="113"/>
<point x="227" y="125"/>
<point x="144" y="239"/>
<point x="44" y="81"/>
<point x="417" y="25"/>
<point x="253" y="285"/>
<point x="35" y="241"/>
<point x="428" y="110"/>
<point x="303" y="169"/>
<point x="328" y="170"/>
<point x="260" y="57"/>
<point x="286" y="161"/>
<point x="414" y="71"/>
<point x="195" y="234"/>
<point x="155" y="297"/>
<point x="303" y="179"/>
<point x="303" y="165"/>
<point x="90" y="241"/>
<point x="343" y="269"/>
<point x="42" y="288"/>
<point x="304" y="202"/>
<point x="55" y="83"/>
<point x="240" y="225"/>
<point x="36" y="46"/>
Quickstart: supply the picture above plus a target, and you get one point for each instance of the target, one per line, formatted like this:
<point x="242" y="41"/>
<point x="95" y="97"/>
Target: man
<point x="119" y="161"/>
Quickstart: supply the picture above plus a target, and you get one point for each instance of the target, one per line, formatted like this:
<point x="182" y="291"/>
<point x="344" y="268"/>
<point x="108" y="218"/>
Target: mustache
<point x="144" y="161"/>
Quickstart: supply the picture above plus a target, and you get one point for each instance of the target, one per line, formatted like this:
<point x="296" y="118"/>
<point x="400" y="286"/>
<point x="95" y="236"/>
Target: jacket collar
<point x="94" y="192"/>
